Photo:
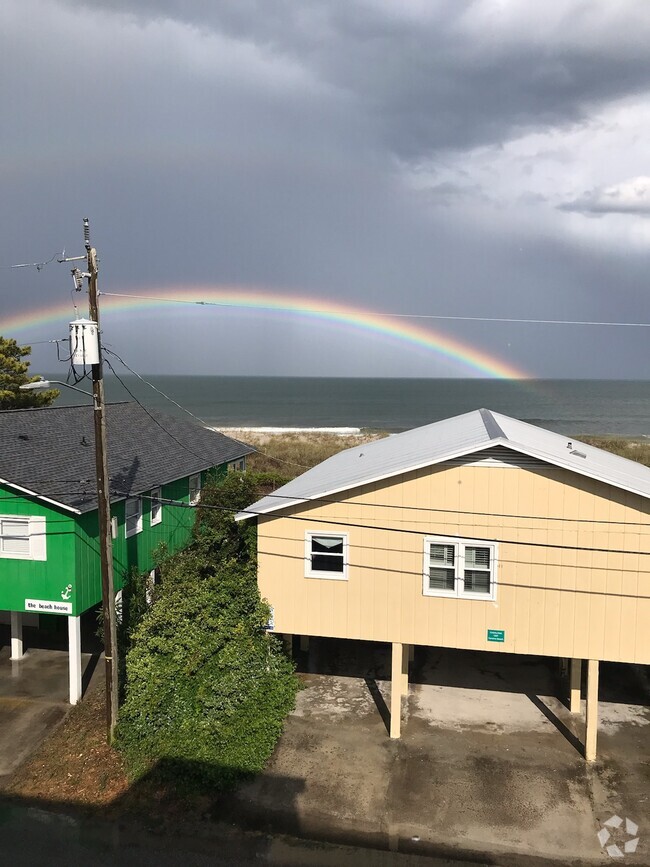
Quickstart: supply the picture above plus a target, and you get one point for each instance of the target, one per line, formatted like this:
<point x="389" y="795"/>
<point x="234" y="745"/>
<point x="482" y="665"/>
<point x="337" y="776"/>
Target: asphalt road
<point x="32" y="837"/>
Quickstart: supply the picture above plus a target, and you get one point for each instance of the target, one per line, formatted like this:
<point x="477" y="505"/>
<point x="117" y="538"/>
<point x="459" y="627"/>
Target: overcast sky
<point x="484" y="158"/>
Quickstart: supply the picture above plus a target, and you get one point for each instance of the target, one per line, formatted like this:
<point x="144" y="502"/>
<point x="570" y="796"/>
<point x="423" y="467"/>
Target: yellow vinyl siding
<point x="550" y="601"/>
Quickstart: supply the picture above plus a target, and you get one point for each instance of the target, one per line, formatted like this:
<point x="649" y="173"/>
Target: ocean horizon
<point x="590" y="407"/>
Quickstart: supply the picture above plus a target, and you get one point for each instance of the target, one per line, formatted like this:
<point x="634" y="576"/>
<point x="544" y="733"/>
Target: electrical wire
<point x="151" y="416"/>
<point x="202" y="421"/>
<point x="436" y="316"/>
<point x="297" y="500"/>
<point x="404" y="531"/>
<point x="38" y="265"/>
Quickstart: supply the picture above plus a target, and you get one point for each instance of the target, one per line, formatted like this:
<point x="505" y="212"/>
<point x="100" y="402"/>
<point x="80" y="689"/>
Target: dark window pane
<point x="441" y="579"/>
<point x="476" y="581"/>
<point x="326" y="563"/>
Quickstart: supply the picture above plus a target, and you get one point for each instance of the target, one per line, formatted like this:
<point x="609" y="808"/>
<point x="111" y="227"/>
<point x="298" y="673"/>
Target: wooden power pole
<point x="103" y="503"/>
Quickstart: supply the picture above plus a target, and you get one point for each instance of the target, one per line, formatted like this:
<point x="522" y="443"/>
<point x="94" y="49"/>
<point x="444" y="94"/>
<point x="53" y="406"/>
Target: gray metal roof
<point x="443" y="441"/>
<point x="50" y="452"/>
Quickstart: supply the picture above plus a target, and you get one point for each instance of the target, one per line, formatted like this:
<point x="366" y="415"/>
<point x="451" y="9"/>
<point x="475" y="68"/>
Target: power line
<point x="448" y="318"/>
<point x="176" y="503"/>
<point x="297" y="500"/>
<point x="151" y="416"/>
<point x="38" y="265"/>
<point x="164" y="501"/>
<point x="405" y="531"/>
<point x="202" y="421"/>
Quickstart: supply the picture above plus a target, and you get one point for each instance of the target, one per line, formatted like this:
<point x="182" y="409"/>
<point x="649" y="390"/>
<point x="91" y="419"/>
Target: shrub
<point x="207" y="688"/>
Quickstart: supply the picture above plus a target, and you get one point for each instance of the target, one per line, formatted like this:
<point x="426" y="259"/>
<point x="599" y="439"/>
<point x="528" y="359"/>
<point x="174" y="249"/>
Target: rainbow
<point x="471" y="359"/>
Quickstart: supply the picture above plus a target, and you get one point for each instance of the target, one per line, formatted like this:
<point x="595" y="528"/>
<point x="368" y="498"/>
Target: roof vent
<point x="23" y="437"/>
<point x="569" y="445"/>
<point x="578" y="454"/>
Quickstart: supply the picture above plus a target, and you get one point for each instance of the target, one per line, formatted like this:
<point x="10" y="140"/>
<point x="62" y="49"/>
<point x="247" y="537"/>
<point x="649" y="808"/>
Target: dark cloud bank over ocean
<point x="443" y="157"/>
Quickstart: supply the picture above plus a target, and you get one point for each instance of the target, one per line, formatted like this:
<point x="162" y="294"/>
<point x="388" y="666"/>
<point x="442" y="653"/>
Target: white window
<point x="459" y="567"/>
<point x="237" y="466"/>
<point x="195" y="489"/>
<point x="133" y="516"/>
<point x="22" y="538"/>
<point x="156" y="506"/>
<point x="326" y="555"/>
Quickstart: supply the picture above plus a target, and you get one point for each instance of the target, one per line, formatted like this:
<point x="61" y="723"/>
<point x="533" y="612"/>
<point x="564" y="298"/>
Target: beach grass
<point x="626" y="447"/>
<point x="290" y="453"/>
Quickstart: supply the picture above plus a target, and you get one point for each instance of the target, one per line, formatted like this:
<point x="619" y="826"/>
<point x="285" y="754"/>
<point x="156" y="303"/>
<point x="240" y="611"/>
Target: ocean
<point x="573" y="407"/>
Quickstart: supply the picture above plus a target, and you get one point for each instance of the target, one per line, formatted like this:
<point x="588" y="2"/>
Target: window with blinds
<point x="442" y="570"/>
<point x="326" y="555"/>
<point x="22" y="538"/>
<point x="459" y="567"/>
<point x="14" y="536"/>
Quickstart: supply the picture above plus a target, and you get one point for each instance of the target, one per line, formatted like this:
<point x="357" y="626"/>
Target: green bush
<point x="207" y="688"/>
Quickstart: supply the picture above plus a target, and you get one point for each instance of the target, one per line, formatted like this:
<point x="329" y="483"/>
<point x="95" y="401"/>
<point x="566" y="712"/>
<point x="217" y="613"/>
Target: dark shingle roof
<point x="51" y="451"/>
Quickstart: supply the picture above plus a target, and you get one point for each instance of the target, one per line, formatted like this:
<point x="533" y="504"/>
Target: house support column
<point x="406" y="659"/>
<point x="74" y="658"/>
<point x="592" y="710"/>
<point x="17" y="649"/>
<point x="575" y="679"/>
<point x="287" y="640"/>
<point x="304" y="643"/>
<point x="398" y="686"/>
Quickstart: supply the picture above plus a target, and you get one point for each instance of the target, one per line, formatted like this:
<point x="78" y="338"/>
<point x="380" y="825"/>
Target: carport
<point x="35" y="688"/>
<point x="487" y="768"/>
<point x="464" y="689"/>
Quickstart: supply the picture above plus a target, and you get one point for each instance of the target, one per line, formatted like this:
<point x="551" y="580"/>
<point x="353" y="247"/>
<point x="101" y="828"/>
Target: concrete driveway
<point x="488" y="765"/>
<point x="33" y="700"/>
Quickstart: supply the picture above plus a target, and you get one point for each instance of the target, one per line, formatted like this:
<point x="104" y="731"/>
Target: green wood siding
<point x="37" y="579"/>
<point x="73" y="547"/>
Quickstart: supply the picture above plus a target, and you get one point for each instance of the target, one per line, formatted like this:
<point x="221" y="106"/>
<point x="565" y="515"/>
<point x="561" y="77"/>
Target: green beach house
<point x="49" y="548"/>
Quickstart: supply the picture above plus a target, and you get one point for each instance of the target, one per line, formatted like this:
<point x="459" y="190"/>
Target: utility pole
<point x="103" y="503"/>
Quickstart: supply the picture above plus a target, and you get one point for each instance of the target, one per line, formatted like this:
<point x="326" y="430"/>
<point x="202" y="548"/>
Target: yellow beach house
<point x="477" y="532"/>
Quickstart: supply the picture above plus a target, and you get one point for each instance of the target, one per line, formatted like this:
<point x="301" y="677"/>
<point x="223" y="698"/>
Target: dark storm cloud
<point x="447" y="75"/>
<point x="324" y="149"/>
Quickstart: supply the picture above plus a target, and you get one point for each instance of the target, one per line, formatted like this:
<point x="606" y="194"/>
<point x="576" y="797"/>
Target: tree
<point x="14" y="373"/>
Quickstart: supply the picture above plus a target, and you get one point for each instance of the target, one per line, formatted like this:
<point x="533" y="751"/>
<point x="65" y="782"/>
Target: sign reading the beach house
<point x="42" y="606"/>
<point x="496" y="635"/>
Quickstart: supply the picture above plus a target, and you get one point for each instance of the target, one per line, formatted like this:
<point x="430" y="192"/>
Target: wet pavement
<point x="488" y="766"/>
<point x="33" y="700"/>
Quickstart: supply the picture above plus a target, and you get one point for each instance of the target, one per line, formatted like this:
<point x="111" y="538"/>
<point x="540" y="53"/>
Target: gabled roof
<point x="443" y="441"/>
<point x="50" y="452"/>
